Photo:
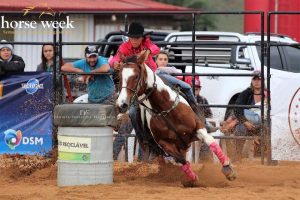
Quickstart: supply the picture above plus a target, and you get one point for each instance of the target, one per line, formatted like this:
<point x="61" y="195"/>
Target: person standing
<point x="47" y="57"/>
<point x="101" y="88"/>
<point x="9" y="62"/>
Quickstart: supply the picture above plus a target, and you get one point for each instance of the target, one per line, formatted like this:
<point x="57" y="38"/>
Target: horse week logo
<point x="294" y="116"/>
<point x="32" y="86"/>
<point x="43" y="9"/>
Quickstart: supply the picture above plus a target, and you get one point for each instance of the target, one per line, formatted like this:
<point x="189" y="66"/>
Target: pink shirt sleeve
<point x="150" y="45"/>
<point x="117" y="58"/>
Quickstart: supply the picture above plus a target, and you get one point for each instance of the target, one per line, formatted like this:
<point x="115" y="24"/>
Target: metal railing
<point x="59" y="43"/>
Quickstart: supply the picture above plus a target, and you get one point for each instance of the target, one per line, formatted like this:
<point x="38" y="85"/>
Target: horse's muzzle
<point x="123" y="107"/>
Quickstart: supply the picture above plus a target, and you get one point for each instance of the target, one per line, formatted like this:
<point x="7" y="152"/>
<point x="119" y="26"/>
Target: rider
<point x="136" y="44"/>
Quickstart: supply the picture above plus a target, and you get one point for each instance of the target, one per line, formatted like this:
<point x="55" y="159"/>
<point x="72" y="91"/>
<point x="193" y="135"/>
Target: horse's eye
<point x="136" y="77"/>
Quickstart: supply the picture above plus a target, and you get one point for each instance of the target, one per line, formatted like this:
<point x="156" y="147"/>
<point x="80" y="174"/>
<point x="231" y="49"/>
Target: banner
<point x="74" y="148"/>
<point x="26" y="104"/>
<point x="285" y="116"/>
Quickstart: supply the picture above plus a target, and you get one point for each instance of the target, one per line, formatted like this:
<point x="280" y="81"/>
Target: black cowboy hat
<point x="136" y="30"/>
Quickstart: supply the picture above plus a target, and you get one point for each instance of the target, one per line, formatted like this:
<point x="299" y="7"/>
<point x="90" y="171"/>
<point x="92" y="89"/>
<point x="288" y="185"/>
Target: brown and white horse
<point x="172" y="122"/>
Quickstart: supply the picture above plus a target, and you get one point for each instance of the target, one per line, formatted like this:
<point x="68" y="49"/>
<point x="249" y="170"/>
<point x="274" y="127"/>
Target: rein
<point x="136" y="89"/>
<point x="154" y="112"/>
<point x="163" y="113"/>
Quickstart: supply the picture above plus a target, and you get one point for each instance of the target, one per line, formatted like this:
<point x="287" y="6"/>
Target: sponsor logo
<point x="32" y="86"/>
<point x="294" y="116"/>
<point x="14" y="138"/>
<point x="45" y="11"/>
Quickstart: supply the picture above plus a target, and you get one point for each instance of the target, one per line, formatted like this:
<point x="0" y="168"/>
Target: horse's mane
<point x="132" y="59"/>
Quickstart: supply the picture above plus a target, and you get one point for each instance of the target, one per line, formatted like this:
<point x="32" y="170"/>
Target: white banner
<point x="285" y="116"/>
<point x="74" y="144"/>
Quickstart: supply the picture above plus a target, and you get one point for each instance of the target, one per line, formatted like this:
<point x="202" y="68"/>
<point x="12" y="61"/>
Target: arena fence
<point x="59" y="43"/>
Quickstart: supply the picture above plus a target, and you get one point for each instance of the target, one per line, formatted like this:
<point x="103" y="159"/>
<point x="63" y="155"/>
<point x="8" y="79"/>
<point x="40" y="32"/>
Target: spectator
<point x="47" y="65"/>
<point x="100" y="87"/>
<point x="47" y="57"/>
<point x="200" y="99"/>
<point x="164" y="72"/>
<point x="9" y="62"/>
<point x="249" y="119"/>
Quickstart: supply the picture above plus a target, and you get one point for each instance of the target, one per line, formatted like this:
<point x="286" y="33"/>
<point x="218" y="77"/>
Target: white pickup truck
<point x="229" y="59"/>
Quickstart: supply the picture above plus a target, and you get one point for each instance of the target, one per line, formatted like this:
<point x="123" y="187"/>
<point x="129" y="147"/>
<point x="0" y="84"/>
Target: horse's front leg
<point x="216" y="149"/>
<point x="179" y="157"/>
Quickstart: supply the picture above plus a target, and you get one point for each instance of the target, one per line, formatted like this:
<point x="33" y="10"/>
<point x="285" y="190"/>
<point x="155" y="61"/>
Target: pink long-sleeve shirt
<point x="126" y="49"/>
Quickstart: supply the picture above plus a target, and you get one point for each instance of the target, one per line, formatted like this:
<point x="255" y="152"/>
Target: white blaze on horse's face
<point x="123" y="97"/>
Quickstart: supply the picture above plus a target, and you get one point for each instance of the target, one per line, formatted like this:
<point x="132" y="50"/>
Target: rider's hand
<point x="117" y="65"/>
<point x="249" y="126"/>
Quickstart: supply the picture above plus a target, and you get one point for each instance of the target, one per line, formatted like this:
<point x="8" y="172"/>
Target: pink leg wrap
<point x="188" y="171"/>
<point x="214" y="147"/>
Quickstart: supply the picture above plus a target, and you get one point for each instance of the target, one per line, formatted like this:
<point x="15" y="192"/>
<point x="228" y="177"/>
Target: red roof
<point x="88" y="5"/>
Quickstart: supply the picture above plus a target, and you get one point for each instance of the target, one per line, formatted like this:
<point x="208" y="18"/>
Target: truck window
<point x="292" y="56"/>
<point x="217" y="56"/>
<point x="276" y="61"/>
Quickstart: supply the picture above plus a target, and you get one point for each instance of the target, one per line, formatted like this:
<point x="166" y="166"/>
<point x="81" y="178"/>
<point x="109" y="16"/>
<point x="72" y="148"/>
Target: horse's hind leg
<point x="172" y="150"/>
<point x="216" y="149"/>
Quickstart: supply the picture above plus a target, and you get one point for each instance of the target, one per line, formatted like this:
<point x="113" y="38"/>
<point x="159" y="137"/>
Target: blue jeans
<point x="124" y="130"/>
<point x="186" y="88"/>
<point x="117" y="145"/>
<point x="252" y="117"/>
<point x="136" y="120"/>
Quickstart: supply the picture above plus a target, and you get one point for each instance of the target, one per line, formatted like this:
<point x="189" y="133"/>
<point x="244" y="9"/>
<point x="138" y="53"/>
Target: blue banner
<point x="26" y="104"/>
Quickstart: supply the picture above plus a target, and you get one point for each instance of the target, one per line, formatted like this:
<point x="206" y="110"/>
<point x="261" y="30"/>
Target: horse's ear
<point x="142" y="57"/>
<point x="122" y="57"/>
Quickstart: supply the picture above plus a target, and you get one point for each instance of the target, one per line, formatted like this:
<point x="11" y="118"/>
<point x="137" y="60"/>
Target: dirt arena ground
<point x="35" y="178"/>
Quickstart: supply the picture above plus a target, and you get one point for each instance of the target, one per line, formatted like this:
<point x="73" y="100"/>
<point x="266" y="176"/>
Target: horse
<point x="172" y="122"/>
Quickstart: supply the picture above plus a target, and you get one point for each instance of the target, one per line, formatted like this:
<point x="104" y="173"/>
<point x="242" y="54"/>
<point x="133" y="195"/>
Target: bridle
<point x="135" y="100"/>
<point x="137" y="88"/>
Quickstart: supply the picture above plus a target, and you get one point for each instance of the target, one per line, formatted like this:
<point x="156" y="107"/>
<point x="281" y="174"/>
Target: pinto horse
<point x="172" y="122"/>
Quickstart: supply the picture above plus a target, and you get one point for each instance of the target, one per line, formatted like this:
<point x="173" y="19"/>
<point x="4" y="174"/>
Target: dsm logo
<point x="12" y="138"/>
<point x="32" y="86"/>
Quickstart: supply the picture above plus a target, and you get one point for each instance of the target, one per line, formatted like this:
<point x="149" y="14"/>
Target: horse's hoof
<point x="229" y="172"/>
<point x="190" y="183"/>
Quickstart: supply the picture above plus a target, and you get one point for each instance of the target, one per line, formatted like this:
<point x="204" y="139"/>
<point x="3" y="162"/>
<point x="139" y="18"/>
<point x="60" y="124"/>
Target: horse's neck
<point x="151" y="77"/>
<point x="161" y="86"/>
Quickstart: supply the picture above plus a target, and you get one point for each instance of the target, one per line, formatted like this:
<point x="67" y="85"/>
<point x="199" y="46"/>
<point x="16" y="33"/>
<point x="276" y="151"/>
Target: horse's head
<point x="132" y="80"/>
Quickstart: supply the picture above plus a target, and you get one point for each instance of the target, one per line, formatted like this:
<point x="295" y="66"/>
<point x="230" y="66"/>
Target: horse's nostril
<point x="124" y="106"/>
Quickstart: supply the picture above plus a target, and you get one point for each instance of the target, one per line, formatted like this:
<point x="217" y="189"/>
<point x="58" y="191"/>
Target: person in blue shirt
<point x="101" y="88"/>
